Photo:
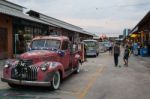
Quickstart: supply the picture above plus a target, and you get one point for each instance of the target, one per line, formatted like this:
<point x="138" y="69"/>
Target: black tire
<point x="55" y="83"/>
<point x="97" y="54"/>
<point x="78" y="69"/>
<point x="13" y="85"/>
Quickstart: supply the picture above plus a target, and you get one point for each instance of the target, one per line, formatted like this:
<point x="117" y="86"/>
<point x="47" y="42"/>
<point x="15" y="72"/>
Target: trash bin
<point x="135" y="52"/>
<point x="149" y="51"/>
<point x="144" y="52"/>
<point x="135" y="46"/>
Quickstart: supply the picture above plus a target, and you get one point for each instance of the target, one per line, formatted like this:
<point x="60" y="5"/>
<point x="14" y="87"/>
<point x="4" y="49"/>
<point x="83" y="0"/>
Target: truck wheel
<point x="97" y="54"/>
<point x="13" y="85"/>
<point x="78" y="68"/>
<point x="55" y="83"/>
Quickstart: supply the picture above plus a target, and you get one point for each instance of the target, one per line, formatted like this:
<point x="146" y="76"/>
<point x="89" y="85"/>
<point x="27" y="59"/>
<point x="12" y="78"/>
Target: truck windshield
<point x="45" y="44"/>
<point x="90" y="43"/>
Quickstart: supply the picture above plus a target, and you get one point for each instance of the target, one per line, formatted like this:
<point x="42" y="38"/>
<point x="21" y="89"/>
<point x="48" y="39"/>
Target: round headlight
<point x="44" y="68"/>
<point x="6" y="65"/>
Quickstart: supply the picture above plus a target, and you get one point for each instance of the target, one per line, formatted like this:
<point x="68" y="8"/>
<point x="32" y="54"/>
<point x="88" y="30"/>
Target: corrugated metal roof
<point x="13" y="3"/>
<point x="60" y="23"/>
<point x="68" y="26"/>
<point x="144" y="19"/>
<point x="21" y="15"/>
<point x="42" y="16"/>
<point x="88" y="33"/>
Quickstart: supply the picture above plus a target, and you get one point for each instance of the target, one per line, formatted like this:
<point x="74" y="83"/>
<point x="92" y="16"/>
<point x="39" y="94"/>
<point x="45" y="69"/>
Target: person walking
<point x="110" y="48"/>
<point x="127" y="53"/>
<point x="116" y="51"/>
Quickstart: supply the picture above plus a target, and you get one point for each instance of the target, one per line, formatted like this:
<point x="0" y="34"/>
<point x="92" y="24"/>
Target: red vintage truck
<point x="49" y="61"/>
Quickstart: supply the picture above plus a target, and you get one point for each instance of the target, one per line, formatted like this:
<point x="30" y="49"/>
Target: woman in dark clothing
<point x="126" y="55"/>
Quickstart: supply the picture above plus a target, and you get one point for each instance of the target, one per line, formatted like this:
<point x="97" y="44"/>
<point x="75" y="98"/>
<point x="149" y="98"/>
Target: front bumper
<point x="23" y="82"/>
<point x="90" y="53"/>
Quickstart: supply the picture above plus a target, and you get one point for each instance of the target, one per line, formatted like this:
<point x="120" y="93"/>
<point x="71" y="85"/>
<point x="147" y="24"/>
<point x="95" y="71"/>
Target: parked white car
<point x="102" y="48"/>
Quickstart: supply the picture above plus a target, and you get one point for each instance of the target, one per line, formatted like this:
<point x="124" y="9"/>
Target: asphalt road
<point x="99" y="79"/>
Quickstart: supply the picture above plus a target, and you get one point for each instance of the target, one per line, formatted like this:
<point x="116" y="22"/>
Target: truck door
<point x="66" y="58"/>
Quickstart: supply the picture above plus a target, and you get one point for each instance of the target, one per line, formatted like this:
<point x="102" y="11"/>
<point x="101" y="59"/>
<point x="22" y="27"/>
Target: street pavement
<point x="98" y="79"/>
<point x="131" y="82"/>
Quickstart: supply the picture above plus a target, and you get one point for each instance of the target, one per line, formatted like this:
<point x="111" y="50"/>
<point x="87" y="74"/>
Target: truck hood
<point x="37" y="55"/>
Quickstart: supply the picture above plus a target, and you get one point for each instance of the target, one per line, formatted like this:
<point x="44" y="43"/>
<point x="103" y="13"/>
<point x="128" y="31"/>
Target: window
<point x="65" y="45"/>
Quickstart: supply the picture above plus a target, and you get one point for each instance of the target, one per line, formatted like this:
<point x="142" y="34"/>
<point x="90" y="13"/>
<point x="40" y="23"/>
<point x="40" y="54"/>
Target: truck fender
<point x="58" y="67"/>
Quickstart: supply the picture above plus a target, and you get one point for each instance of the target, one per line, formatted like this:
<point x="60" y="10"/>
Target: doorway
<point x="3" y="43"/>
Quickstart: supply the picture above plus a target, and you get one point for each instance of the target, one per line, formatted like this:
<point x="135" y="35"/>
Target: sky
<point x="108" y="17"/>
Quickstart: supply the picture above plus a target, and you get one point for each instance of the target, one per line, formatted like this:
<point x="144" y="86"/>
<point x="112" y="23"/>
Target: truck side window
<point x="65" y="45"/>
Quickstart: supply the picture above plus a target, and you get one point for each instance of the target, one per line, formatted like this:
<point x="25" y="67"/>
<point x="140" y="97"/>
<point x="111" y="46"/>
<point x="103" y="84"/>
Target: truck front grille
<point x="29" y="74"/>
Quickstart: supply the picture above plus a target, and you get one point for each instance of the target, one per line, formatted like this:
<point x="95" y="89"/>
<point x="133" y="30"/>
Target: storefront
<point x="5" y="36"/>
<point x="24" y="31"/>
<point x="143" y="33"/>
<point x="17" y="29"/>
